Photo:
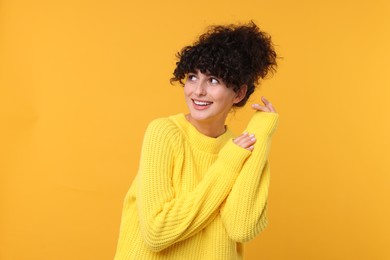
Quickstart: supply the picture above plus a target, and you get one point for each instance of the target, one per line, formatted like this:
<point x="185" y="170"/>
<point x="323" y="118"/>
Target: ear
<point x="240" y="94"/>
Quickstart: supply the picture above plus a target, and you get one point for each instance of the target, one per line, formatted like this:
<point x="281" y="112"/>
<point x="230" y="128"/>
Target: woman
<point x="199" y="192"/>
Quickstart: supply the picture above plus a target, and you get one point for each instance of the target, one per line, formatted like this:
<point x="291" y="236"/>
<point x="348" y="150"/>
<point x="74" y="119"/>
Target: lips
<point x="201" y="104"/>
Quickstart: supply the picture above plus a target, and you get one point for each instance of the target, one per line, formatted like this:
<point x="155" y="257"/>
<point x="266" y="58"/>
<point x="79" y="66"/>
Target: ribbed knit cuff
<point x="263" y="123"/>
<point x="234" y="155"/>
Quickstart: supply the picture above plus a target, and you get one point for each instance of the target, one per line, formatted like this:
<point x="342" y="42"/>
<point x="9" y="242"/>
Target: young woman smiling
<point x="201" y="191"/>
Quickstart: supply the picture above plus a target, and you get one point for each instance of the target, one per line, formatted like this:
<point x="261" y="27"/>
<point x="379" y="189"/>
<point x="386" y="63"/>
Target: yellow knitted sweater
<point x="196" y="197"/>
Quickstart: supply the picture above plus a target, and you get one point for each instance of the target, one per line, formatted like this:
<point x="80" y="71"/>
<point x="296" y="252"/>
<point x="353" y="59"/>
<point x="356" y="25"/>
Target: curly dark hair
<point x="237" y="54"/>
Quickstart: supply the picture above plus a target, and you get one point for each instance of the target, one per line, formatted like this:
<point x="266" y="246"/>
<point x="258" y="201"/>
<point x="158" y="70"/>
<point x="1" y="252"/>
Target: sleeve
<point x="244" y="211"/>
<point x="164" y="217"/>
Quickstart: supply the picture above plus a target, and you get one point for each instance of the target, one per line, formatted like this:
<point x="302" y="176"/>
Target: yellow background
<point x="80" y="80"/>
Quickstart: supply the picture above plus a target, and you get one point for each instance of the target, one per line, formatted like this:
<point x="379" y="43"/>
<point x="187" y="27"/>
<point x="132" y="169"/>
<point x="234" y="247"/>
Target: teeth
<point x="201" y="103"/>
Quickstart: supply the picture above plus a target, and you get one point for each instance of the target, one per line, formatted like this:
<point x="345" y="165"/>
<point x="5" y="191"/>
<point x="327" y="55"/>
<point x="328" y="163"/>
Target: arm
<point x="244" y="213"/>
<point x="164" y="217"/>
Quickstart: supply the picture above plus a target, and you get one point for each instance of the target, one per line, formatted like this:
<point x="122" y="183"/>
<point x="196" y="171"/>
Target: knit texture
<point x="194" y="196"/>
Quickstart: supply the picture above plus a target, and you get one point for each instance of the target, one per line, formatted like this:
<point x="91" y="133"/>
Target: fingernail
<point x="252" y="135"/>
<point x="253" y="139"/>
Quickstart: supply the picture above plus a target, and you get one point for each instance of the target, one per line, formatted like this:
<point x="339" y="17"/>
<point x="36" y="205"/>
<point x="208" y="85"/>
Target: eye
<point x="214" y="80"/>
<point x="191" y="77"/>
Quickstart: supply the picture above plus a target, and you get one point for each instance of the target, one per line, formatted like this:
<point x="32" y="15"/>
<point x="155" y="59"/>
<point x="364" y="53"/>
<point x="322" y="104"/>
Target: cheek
<point x="187" y="90"/>
<point x="225" y="95"/>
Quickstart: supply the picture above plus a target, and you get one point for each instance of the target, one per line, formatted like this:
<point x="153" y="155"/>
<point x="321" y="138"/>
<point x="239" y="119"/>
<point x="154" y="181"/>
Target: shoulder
<point x="163" y="128"/>
<point x="163" y="124"/>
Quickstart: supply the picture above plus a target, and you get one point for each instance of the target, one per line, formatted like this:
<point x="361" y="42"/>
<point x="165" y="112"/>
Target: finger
<point x="268" y="104"/>
<point x="260" y="107"/>
<point x="240" y="138"/>
<point x="265" y="101"/>
<point x="250" y="141"/>
<point x="272" y="108"/>
<point x="247" y="141"/>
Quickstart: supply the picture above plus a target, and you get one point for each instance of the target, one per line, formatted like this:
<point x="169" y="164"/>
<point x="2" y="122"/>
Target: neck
<point x="210" y="129"/>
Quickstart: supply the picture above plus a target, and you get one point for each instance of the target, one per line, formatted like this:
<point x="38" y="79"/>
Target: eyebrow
<point x="196" y="71"/>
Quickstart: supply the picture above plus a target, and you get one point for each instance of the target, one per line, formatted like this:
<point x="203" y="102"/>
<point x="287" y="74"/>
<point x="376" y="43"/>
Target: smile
<point x="201" y="103"/>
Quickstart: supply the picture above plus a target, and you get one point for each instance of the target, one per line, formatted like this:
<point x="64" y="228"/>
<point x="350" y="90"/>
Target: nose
<point x="200" y="88"/>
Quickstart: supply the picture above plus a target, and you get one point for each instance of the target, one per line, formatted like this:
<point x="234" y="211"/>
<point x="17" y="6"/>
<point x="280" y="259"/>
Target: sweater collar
<point x="198" y="140"/>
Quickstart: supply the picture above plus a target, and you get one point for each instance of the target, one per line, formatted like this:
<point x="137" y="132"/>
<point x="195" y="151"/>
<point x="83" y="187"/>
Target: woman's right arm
<point x="164" y="217"/>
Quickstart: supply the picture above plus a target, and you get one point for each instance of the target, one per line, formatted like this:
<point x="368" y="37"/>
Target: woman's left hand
<point x="268" y="107"/>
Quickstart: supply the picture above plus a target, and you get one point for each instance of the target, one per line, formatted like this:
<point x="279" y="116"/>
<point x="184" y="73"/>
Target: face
<point x="208" y="98"/>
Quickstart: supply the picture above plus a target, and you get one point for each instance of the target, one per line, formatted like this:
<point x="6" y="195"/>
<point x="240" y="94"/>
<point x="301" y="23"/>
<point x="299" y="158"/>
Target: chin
<point x="198" y="116"/>
<point x="203" y="116"/>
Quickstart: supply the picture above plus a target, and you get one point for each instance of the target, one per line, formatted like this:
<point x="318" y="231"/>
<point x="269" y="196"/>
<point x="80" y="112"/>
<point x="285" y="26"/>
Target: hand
<point x="267" y="108"/>
<point x="246" y="141"/>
